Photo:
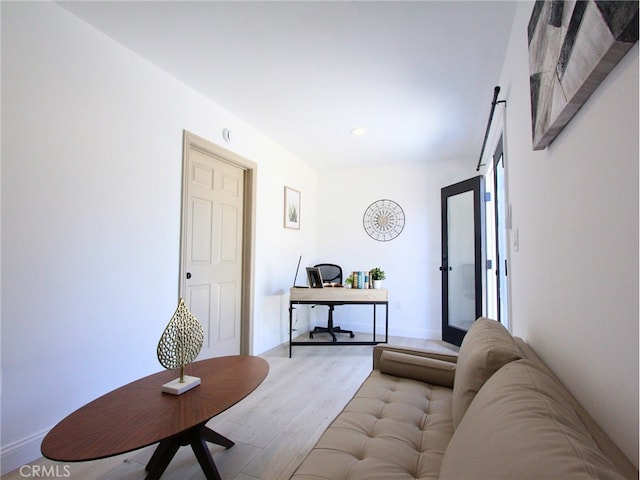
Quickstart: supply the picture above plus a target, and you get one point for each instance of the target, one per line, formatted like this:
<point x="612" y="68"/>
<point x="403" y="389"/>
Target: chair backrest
<point x="330" y="272"/>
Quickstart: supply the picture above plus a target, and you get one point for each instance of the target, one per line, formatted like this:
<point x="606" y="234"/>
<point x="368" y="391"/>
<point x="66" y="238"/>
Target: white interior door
<point x="212" y="238"/>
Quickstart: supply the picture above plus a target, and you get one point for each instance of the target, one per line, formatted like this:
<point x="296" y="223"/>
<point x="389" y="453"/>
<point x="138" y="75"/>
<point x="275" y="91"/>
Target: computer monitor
<point x="295" y="279"/>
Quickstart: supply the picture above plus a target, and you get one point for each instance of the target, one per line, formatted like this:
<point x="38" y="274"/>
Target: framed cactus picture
<point x="291" y="208"/>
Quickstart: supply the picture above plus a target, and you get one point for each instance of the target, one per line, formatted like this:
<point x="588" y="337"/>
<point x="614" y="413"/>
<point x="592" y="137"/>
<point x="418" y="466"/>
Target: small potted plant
<point x="348" y="282"/>
<point x="377" y="275"/>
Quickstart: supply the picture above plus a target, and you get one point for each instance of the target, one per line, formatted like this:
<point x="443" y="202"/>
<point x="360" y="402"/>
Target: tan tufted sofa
<point x="494" y="411"/>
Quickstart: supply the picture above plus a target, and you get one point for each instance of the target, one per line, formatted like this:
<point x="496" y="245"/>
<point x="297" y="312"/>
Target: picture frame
<point x="314" y="277"/>
<point x="572" y="47"/>
<point x="291" y="208"/>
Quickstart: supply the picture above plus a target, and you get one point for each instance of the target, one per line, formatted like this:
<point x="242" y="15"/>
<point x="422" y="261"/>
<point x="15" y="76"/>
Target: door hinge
<point x="489" y="264"/>
<point x="487" y="196"/>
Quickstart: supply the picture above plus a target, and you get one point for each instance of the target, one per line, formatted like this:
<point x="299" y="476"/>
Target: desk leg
<point x="290" y="326"/>
<point x="374" y="322"/>
<point x="386" y="323"/>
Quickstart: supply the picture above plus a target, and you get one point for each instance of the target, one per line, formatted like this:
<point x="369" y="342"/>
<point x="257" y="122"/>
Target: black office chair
<point x="330" y="273"/>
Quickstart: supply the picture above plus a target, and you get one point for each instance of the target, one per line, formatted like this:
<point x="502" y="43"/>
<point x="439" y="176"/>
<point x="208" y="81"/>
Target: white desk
<point x="339" y="296"/>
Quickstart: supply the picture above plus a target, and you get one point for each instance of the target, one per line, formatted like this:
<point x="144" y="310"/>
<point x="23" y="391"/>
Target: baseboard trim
<point x="21" y="452"/>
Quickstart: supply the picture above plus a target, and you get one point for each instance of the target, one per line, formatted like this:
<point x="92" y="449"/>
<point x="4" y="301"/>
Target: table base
<point x="197" y="437"/>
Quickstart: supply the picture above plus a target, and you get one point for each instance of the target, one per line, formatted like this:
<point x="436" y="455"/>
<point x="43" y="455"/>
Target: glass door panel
<point x="461" y="260"/>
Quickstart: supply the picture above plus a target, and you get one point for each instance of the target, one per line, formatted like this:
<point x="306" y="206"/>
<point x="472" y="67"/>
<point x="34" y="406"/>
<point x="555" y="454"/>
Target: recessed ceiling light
<point x="359" y="131"/>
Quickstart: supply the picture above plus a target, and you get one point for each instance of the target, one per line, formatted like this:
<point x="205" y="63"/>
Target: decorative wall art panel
<point x="383" y="220"/>
<point x="573" y="45"/>
<point x="291" y="208"/>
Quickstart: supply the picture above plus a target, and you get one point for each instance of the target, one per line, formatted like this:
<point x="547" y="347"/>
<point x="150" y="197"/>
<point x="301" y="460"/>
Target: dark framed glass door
<point x="462" y="269"/>
<point x="502" y="267"/>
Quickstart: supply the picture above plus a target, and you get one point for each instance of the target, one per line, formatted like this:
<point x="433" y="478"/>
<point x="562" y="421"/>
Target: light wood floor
<point x="274" y="428"/>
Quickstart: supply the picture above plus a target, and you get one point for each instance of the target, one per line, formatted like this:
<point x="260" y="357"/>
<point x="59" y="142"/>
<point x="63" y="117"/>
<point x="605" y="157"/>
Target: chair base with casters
<point x="331" y="273"/>
<point x="330" y="329"/>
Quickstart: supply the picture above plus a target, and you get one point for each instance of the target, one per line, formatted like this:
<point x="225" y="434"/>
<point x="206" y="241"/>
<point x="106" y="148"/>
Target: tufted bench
<point x="393" y="428"/>
<point x="495" y="411"/>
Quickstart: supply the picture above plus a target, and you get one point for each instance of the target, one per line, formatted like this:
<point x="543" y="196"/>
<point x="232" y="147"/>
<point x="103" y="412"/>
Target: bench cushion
<point x="486" y="347"/>
<point x="393" y="429"/>
<point x="521" y="425"/>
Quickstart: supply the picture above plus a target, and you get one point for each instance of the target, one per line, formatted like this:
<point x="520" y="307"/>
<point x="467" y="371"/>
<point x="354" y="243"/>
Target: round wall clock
<point x="383" y="220"/>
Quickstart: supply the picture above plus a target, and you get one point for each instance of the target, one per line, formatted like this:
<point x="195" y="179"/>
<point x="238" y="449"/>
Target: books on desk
<point x="360" y="279"/>
<point x="329" y="285"/>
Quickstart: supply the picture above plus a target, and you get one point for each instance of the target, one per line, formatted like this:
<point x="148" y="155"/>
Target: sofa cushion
<point x="393" y="429"/>
<point x="425" y="369"/>
<point x="486" y="347"/>
<point x="604" y="442"/>
<point x="521" y="425"/>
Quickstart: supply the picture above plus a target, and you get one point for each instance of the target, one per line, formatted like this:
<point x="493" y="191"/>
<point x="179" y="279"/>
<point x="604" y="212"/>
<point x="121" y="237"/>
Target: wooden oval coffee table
<point x="139" y="414"/>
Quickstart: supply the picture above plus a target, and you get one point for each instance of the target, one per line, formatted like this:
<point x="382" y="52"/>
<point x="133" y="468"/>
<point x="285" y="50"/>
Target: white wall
<point x="411" y="260"/>
<point x="91" y="178"/>
<point x="91" y="162"/>
<point x="278" y="250"/>
<point x="575" y="277"/>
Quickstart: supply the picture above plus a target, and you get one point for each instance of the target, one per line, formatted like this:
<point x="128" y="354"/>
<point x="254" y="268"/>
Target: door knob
<point x="188" y="275"/>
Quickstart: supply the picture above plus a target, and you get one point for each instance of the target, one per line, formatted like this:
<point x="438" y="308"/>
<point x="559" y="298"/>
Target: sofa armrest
<point x="420" y="352"/>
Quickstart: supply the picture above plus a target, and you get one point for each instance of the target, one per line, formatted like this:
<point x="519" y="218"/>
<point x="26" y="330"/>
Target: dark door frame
<point x="450" y="333"/>
<point x="501" y="263"/>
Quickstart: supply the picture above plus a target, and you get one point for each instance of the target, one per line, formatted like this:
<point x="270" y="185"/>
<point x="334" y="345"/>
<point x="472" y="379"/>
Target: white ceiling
<point x="419" y="76"/>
